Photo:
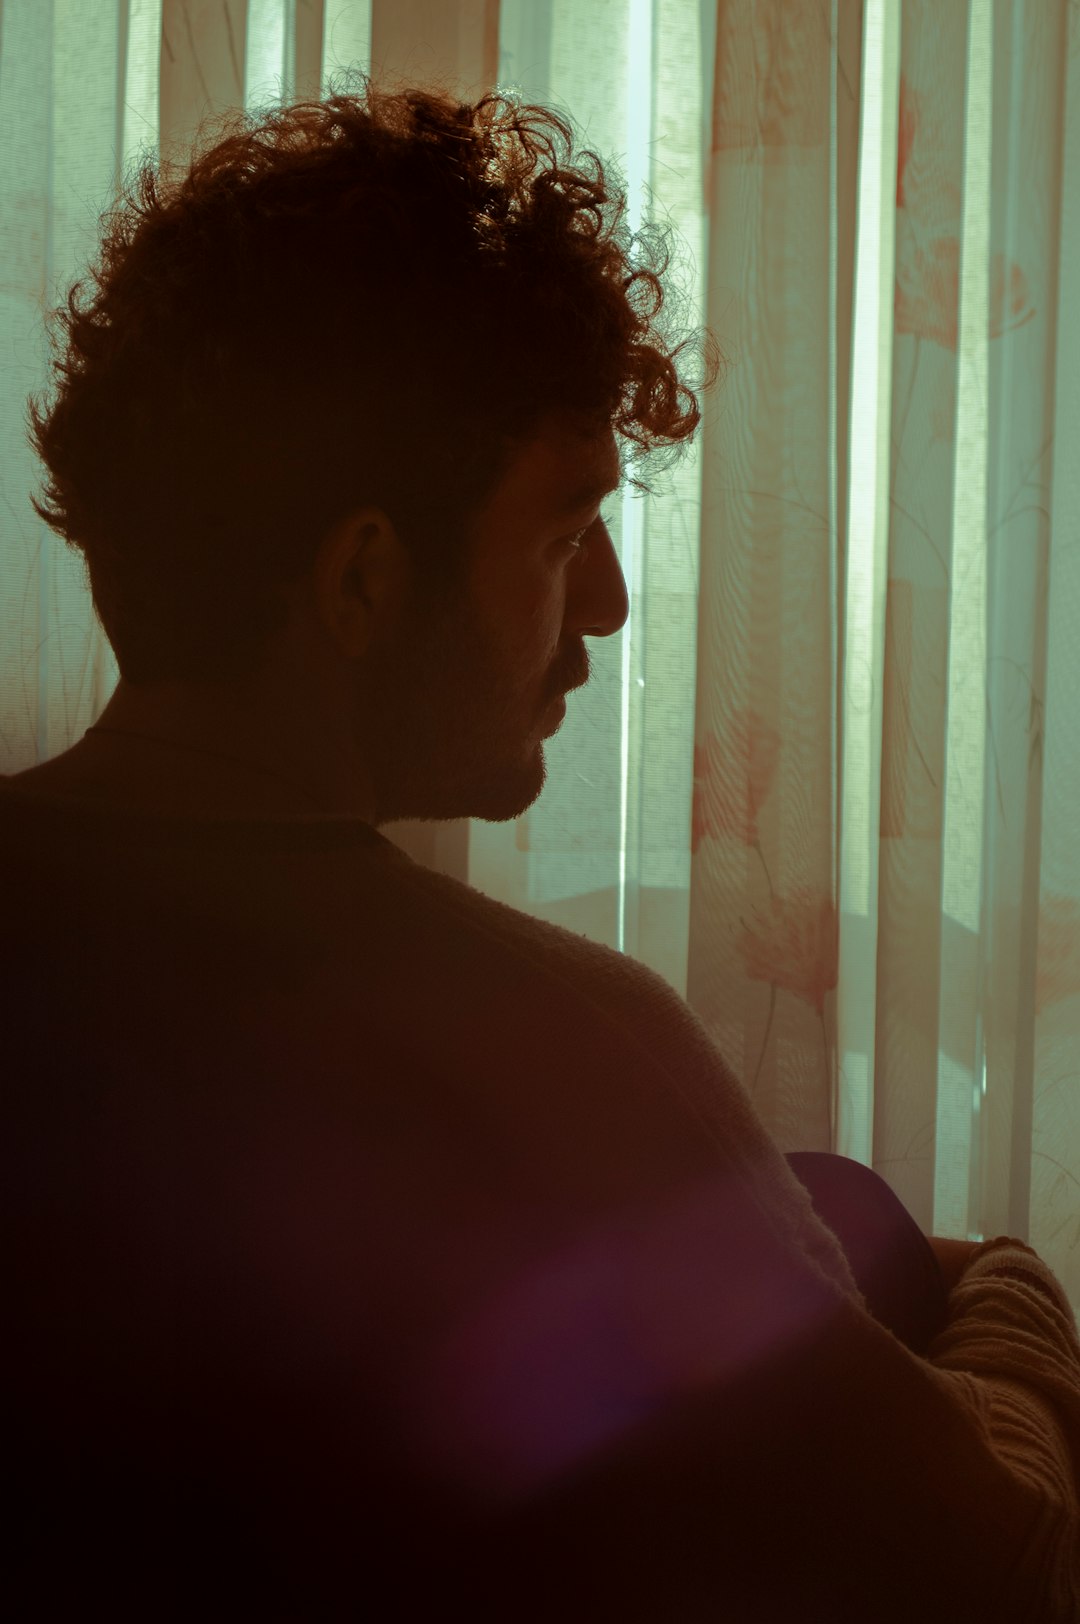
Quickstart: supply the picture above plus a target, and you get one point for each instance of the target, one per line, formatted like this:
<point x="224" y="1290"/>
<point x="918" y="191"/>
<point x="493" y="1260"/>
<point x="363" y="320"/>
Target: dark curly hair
<point x="367" y="299"/>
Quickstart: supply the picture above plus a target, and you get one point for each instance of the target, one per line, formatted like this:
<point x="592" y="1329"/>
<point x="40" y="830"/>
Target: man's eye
<point x="577" y="540"/>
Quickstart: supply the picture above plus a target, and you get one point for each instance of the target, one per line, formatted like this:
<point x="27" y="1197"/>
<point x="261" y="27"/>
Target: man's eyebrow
<point x="592" y="490"/>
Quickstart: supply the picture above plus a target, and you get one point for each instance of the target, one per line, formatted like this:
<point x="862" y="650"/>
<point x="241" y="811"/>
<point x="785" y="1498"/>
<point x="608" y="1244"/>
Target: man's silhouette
<point x="380" y="1251"/>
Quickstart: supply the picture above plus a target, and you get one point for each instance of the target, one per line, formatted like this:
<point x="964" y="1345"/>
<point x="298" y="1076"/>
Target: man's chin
<point x="494" y="800"/>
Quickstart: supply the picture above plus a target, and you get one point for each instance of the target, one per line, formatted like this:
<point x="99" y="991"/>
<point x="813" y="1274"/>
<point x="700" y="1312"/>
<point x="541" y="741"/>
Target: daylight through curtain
<point x="825" y="781"/>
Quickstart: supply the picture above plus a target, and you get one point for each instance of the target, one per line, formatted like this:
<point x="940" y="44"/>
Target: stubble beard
<point x="444" y="726"/>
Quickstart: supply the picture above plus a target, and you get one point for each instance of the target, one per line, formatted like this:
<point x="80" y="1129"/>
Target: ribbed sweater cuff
<point x="1005" y="1258"/>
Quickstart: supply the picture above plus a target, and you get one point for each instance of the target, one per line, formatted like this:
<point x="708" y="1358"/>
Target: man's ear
<point x="362" y="579"/>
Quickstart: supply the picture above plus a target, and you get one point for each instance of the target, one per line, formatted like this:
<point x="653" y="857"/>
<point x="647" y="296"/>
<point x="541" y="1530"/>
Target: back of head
<point x="367" y="299"/>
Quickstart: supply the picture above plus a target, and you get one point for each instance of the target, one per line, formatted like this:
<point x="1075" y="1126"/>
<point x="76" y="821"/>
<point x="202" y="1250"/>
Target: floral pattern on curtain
<point x="909" y="1026"/>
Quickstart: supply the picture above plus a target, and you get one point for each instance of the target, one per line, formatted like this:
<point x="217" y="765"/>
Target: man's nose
<point x="600" y="604"/>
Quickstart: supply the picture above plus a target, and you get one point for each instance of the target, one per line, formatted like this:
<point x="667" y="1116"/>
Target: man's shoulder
<point x="594" y="964"/>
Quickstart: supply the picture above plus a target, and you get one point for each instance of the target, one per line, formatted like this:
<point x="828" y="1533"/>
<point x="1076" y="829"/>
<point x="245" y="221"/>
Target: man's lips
<point x="553" y="714"/>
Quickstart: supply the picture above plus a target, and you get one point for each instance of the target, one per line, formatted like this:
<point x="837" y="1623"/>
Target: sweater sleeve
<point x="963" y="1463"/>
<point x="834" y="1472"/>
<point x="1012" y="1337"/>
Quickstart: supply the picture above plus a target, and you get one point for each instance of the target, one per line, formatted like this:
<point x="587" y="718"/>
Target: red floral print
<point x="795" y="945"/>
<point x="927" y="288"/>
<point x="1057" y="970"/>
<point x="927" y="296"/>
<point x="927" y="301"/>
<point x="732" y="778"/>
<point x="905" y="137"/>
<point x="770" y="88"/>
<point x="1010" y="301"/>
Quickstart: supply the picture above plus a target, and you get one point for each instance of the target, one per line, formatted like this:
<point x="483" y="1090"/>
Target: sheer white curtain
<point x="866" y="875"/>
<point x="825" y="781"/>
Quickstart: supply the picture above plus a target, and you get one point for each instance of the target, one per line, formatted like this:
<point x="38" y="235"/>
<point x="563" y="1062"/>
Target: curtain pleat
<point x="825" y="780"/>
<point x="762" y="949"/>
<point x="1054" y="1195"/>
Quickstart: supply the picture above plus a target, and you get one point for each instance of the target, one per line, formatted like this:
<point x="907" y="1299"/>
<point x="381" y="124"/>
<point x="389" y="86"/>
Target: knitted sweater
<point x="416" y="1230"/>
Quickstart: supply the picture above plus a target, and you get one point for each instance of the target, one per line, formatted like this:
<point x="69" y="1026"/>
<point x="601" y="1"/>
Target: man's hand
<point x="953" y="1257"/>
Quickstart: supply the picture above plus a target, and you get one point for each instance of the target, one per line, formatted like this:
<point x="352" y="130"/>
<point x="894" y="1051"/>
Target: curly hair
<point x="369" y="299"/>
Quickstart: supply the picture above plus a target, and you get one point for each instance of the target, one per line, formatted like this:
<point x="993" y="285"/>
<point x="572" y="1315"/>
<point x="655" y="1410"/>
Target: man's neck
<point x="204" y="752"/>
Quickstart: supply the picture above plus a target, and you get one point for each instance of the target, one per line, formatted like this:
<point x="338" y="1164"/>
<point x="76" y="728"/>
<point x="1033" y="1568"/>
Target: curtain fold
<point x="762" y="925"/>
<point x="825" y="780"/>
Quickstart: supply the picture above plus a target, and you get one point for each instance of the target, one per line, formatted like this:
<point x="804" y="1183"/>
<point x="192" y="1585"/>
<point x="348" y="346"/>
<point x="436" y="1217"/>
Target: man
<point x="381" y="1251"/>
